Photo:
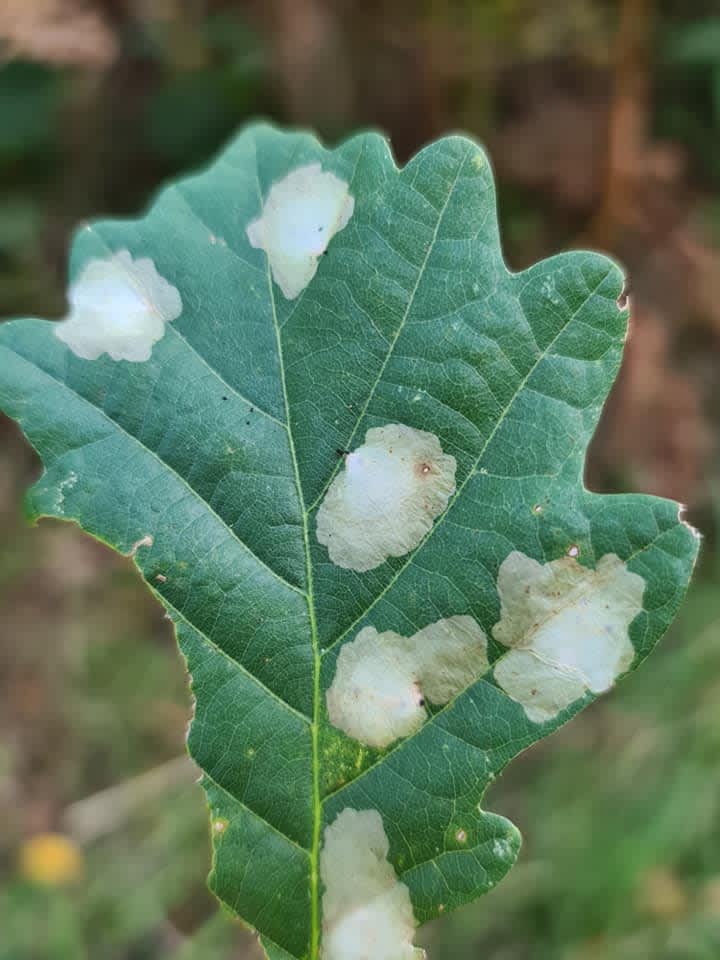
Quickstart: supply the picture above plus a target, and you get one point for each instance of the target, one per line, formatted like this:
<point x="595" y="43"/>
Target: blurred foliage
<point x="692" y="76"/>
<point x="603" y="121"/>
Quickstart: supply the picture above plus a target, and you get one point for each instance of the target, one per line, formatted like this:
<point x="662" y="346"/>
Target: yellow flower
<point x="51" y="859"/>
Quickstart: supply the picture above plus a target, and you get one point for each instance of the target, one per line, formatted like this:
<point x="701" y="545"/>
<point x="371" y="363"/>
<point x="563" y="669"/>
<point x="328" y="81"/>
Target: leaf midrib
<point x="317" y="800"/>
<point x="309" y="597"/>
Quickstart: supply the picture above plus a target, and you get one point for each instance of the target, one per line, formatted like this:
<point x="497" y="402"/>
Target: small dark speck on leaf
<point x="224" y="398"/>
<point x="342" y="453"/>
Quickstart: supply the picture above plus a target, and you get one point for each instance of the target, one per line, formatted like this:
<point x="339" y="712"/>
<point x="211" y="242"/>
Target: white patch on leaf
<point x="67" y="484"/>
<point x="548" y="290"/>
<point x="301" y="215"/>
<point x="118" y="306"/>
<point x="503" y="850"/>
<point x="382" y="680"/>
<point x="367" y="913"/>
<point x="567" y="627"/>
<point x="385" y="500"/>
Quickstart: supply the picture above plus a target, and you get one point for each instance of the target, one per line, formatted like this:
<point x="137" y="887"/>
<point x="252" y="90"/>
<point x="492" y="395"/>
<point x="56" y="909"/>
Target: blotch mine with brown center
<point x="386" y="498"/>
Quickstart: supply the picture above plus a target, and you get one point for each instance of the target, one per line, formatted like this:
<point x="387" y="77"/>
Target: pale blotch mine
<point x="382" y="680"/>
<point x="367" y="913"/>
<point x="301" y="215"/>
<point x="118" y="306"/>
<point x="385" y="500"/>
<point x="567" y="628"/>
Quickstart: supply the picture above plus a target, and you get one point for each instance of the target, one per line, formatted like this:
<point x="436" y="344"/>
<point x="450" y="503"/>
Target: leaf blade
<point x="209" y="461"/>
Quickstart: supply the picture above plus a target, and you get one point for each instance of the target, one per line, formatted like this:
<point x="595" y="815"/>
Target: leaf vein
<point x="270" y="826"/>
<point x="501" y="420"/>
<point x="164" y="464"/>
<point x="411" y="300"/>
<point x="445" y="707"/>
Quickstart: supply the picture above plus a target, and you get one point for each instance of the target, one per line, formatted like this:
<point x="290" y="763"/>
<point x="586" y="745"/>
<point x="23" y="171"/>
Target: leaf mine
<point x="385" y="500"/>
<point x="301" y="215"/>
<point x="567" y="629"/>
<point x="382" y="680"/>
<point x="367" y="913"/>
<point x="118" y="306"/>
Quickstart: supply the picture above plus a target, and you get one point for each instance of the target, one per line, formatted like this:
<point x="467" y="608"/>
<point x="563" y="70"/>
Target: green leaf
<point x="715" y="86"/>
<point x="336" y="767"/>
<point x="696" y="43"/>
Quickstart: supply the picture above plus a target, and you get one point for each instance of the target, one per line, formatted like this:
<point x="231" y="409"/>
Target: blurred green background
<point x="603" y="122"/>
